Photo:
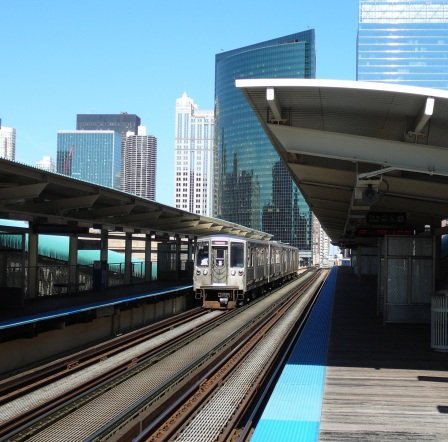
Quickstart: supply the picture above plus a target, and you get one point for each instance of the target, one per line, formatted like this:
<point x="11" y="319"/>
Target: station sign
<point x="379" y="232"/>
<point x="386" y="218"/>
<point x="89" y="244"/>
<point x="57" y="229"/>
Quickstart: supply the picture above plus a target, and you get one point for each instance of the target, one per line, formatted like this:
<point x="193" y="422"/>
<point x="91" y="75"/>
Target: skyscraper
<point x="120" y="123"/>
<point x="403" y="41"/>
<point x="139" y="164"/>
<point x="253" y="186"/>
<point x="90" y="155"/>
<point x="7" y="142"/>
<point x="193" y="157"/>
<point x="46" y="163"/>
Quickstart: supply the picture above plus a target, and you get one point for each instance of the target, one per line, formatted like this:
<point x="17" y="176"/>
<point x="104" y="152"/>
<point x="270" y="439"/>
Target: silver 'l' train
<point x="231" y="270"/>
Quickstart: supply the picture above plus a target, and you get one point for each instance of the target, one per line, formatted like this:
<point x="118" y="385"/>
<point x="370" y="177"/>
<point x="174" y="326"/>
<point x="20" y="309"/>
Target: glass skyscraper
<point x="90" y="155"/>
<point x="121" y="123"/>
<point x="404" y="42"/>
<point x="252" y="185"/>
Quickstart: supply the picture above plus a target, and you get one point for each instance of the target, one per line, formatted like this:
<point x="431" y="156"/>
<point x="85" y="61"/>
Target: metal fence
<point x="56" y="280"/>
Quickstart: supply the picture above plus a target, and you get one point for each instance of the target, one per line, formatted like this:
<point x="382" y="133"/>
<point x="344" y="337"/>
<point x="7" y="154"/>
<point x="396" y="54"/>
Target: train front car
<point x="219" y="274"/>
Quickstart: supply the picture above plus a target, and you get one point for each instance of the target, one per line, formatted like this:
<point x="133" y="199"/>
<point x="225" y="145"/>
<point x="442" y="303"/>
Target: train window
<point x="249" y="257"/>
<point x="219" y="259"/>
<point x="260" y="256"/>
<point x="236" y="254"/>
<point x="202" y="254"/>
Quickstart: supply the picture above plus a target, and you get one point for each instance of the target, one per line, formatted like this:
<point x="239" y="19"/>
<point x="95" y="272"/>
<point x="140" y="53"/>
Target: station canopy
<point x="54" y="203"/>
<point x="370" y="158"/>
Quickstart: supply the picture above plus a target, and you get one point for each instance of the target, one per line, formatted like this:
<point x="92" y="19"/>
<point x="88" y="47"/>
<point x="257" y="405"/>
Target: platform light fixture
<point x="274" y="105"/>
<point x="425" y="115"/>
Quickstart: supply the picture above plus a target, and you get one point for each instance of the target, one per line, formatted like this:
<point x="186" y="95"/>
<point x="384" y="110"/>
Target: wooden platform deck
<point x="383" y="383"/>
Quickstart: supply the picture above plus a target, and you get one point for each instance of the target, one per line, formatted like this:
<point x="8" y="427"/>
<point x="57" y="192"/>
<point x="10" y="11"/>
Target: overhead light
<point x="273" y="103"/>
<point x="425" y="115"/>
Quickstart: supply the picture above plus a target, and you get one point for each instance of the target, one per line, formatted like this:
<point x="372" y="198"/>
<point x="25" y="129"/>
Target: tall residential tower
<point x="139" y="164"/>
<point x="403" y="42"/>
<point x="7" y="142"/>
<point x="253" y="186"/>
<point x="193" y="157"/>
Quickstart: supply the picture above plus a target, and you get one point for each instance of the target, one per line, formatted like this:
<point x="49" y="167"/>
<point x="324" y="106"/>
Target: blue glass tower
<point x="90" y="155"/>
<point x="403" y="41"/>
<point x="252" y="185"/>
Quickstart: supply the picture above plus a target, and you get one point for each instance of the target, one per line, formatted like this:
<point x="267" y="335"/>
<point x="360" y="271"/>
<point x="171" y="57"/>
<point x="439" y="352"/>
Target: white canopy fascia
<point x="420" y="158"/>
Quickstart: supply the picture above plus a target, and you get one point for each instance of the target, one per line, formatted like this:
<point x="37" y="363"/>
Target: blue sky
<point x="64" y="57"/>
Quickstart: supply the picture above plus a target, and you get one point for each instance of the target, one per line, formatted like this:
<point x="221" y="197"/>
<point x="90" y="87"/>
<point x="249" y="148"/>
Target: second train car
<point x="230" y="270"/>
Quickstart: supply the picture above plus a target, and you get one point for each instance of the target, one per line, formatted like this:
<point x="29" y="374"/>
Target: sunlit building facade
<point x="253" y="186"/>
<point x="90" y="155"/>
<point x="193" y="157"/>
<point x="46" y="163"/>
<point x="7" y="142"/>
<point x="321" y="243"/>
<point x="403" y="42"/>
<point x="139" y="164"/>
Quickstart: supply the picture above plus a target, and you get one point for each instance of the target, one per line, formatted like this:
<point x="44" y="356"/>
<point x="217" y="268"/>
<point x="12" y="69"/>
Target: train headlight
<point x="198" y="272"/>
<point x="205" y="272"/>
<point x="241" y="272"/>
<point x="233" y="272"/>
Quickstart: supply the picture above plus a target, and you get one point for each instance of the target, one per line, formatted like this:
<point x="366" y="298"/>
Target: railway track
<point x="35" y="393"/>
<point x="214" y="409"/>
<point x="112" y="405"/>
<point x="30" y="380"/>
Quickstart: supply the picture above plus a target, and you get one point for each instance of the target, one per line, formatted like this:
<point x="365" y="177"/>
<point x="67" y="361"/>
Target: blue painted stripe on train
<point x="294" y="408"/>
<point x="71" y="311"/>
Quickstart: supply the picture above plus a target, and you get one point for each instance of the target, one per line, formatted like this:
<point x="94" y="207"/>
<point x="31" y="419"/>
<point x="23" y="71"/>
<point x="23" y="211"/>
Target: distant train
<point x="231" y="270"/>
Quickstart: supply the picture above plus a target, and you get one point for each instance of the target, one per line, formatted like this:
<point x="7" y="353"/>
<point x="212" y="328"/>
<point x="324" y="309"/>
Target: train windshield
<point x="236" y="254"/>
<point x="202" y="254"/>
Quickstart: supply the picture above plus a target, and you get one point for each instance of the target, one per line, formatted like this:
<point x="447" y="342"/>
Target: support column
<point x="33" y="255"/>
<point x="23" y="259"/>
<point x="148" y="263"/>
<point x="190" y="248"/>
<point x="103" y="258"/>
<point x="190" y="263"/>
<point x="73" y="265"/>
<point x="178" y="242"/>
<point x="128" y="258"/>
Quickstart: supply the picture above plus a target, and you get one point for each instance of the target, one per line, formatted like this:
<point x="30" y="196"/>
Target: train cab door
<point x="220" y="264"/>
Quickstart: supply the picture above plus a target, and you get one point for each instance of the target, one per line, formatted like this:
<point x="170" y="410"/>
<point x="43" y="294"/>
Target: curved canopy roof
<point x="368" y="157"/>
<point x="57" y="203"/>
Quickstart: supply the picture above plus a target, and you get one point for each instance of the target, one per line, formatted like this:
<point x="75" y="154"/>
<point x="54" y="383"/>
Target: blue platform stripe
<point x="294" y="408"/>
<point x="15" y="322"/>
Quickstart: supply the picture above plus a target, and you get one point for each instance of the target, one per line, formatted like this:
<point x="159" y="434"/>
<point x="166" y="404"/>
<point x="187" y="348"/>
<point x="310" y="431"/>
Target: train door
<point x="220" y="256"/>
